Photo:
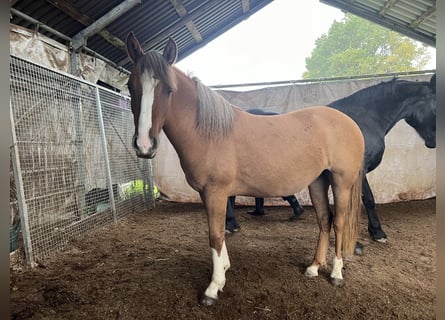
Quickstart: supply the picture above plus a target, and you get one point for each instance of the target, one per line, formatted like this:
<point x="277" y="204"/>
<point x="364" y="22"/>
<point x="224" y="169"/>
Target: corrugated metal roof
<point x="415" y="19"/>
<point x="193" y="23"/>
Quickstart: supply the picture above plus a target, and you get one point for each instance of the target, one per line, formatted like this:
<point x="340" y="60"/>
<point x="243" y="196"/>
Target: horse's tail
<point x="350" y="234"/>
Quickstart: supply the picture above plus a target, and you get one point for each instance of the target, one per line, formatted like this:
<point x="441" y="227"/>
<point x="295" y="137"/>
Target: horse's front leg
<point x="215" y="205"/>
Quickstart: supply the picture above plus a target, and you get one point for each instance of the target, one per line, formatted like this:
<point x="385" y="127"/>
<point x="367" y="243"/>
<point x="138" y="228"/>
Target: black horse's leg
<point x="231" y="224"/>
<point x="374" y="227"/>
<point x="259" y="207"/>
<point x="298" y="210"/>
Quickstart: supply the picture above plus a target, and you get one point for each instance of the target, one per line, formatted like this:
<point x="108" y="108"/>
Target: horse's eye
<point x="169" y="90"/>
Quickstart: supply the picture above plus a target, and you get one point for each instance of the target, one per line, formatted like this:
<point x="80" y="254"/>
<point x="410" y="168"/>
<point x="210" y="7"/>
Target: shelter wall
<point x="33" y="46"/>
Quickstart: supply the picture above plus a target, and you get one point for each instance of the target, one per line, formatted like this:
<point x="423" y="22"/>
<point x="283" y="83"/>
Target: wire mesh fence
<point x="72" y="168"/>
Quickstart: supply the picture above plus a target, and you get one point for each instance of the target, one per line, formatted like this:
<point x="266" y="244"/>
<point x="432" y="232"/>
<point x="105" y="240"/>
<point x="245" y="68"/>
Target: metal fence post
<point x="105" y="151"/>
<point x="148" y="179"/>
<point x="78" y="142"/>
<point x="20" y="192"/>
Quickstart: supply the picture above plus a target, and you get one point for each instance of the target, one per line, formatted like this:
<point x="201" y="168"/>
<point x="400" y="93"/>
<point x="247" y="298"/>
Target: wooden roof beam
<point x="423" y="17"/>
<point x="388" y="5"/>
<point x="246" y="5"/>
<point x="167" y="32"/>
<point x="182" y="11"/>
<point x="80" y="39"/>
<point x="82" y="18"/>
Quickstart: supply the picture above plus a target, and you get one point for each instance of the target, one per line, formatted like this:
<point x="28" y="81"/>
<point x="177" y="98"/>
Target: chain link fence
<point x="72" y="166"/>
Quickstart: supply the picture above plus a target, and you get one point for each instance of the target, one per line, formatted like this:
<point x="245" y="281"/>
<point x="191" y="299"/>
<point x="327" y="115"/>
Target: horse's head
<point x="423" y="111"/>
<point x="151" y="84"/>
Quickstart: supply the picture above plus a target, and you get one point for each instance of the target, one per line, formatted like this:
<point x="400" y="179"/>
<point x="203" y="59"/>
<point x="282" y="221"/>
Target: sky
<point x="271" y="45"/>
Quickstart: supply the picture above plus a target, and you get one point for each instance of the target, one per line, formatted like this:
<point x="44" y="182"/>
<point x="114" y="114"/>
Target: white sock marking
<point x="220" y="265"/>
<point x="311" y="271"/>
<point x="337" y="268"/>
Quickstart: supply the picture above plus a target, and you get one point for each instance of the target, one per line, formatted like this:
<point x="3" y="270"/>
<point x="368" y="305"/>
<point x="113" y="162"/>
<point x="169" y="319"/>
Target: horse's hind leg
<point x="347" y="196"/>
<point x="374" y="226"/>
<point x="215" y="205"/>
<point x="318" y="191"/>
<point x="341" y="200"/>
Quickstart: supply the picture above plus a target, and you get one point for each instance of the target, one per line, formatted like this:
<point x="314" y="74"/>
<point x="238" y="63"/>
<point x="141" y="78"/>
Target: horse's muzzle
<point x="430" y="144"/>
<point x="151" y="153"/>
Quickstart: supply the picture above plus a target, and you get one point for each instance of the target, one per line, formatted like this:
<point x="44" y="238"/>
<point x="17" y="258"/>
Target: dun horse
<point x="216" y="142"/>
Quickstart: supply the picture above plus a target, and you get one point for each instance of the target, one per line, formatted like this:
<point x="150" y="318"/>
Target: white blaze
<point x="148" y="86"/>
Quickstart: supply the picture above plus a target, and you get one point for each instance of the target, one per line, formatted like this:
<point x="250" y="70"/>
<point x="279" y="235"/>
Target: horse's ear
<point x="134" y="49"/>
<point x="433" y="83"/>
<point x="170" y="51"/>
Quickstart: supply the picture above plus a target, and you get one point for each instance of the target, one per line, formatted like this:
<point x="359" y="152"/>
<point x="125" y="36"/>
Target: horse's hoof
<point x="294" y="216"/>
<point x="230" y="231"/>
<point x="378" y="235"/>
<point x="381" y="240"/>
<point x="338" y="282"/>
<point x="358" y="250"/>
<point x="311" y="272"/>
<point x="256" y="213"/>
<point x="208" y="301"/>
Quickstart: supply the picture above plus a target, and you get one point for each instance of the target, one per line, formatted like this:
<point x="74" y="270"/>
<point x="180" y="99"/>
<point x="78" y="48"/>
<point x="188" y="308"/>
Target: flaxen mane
<point x="215" y="114"/>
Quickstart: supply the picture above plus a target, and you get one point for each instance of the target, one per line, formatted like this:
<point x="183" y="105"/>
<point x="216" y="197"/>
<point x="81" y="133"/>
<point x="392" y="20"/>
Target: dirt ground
<point x="156" y="264"/>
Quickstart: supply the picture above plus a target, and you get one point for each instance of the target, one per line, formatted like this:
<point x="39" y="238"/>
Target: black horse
<point x="376" y="109"/>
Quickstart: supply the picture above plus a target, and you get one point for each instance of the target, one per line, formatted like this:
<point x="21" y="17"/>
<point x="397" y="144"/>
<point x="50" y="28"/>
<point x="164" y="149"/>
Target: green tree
<point x="355" y="46"/>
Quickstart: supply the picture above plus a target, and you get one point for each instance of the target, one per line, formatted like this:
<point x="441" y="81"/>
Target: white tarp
<point x="407" y="171"/>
